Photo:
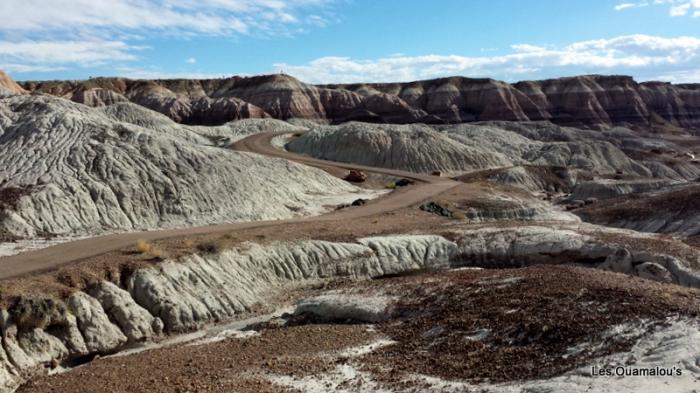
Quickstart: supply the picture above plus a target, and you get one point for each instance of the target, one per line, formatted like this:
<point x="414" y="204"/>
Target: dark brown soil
<point x="532" y="316"/>
<point x="673" y="203"/>
<point x="693" y="241"/>
<point x="233" y="365"/>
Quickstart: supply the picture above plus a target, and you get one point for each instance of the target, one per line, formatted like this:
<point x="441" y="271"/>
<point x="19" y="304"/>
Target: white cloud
<point x="216" y="17"/>
<point x="624" y="6"/>
<point x="47" y="34"/>
<point x="157" y="73"/>
<point x="678" y="7"/>
<point x="317" y="20"/>
<point x="191" y="60"/>
<point x="32" y="56"/>
<point x="527" y="48"/>
<point x="645" y="57"/>
<point x="680" y="10"/>
<point x="689" y="76"/>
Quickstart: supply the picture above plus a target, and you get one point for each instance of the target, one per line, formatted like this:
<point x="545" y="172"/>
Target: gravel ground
<point x="517" y="324"/>
<point x="233" y="365"/>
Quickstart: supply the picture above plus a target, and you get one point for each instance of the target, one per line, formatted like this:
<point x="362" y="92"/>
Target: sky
<point x="343" y="41"/>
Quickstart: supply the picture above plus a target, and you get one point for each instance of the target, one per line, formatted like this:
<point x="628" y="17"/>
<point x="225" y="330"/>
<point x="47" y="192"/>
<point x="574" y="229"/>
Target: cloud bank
<point x="676" y="7"/>
<point x="86" y="33"/>
<point x="647" y="57"/>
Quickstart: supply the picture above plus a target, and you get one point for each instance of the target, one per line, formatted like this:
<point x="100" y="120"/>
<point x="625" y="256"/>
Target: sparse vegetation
<point x="229" y="236"/>
<point x="150" y="249"/>
<point x="29" y="313"/>
<point x="6" y="236"/>
<point x="10" y="196"/>
<point x="209" y="247"/>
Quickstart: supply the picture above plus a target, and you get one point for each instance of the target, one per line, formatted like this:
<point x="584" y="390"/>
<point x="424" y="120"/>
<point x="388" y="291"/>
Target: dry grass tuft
<point x="147" y="248"/>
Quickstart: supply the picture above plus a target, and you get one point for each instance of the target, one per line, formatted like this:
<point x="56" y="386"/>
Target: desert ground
<point x="451" y="235"/>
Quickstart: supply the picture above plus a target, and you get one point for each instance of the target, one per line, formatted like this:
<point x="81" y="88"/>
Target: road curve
<point x="50" y="258"/>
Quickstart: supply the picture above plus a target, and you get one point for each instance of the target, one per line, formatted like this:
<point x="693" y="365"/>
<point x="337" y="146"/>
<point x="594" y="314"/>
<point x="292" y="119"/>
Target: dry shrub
<point x="143" y="246"/>
<point x="148" y="248"/>
<point x="209" y="247"/>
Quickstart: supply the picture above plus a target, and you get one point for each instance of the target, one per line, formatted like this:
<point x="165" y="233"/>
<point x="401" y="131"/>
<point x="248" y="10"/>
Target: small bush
<point x="148" y="248"/>
<point x="209" y="247"/>
<point x="6" y="236"/>
<point x="142" y="246"/>
<point x="29" y="313"/>
<point x="391" y="186"/>
<point x="156" y="252"/>
<point x="459" y="215"/>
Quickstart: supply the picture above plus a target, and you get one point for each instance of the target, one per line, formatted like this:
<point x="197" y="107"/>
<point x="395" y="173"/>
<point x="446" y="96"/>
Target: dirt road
<point x="49" y="258"/>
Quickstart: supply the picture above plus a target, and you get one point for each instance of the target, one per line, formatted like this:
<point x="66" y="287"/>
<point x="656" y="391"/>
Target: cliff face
<point x="592" y="101"/>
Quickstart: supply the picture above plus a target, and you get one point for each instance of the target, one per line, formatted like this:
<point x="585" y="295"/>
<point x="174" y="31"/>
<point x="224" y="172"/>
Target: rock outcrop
<point x="339" y="307"/>
<point x="671" y="210"/>
<point x="468" y="147"/>
<point x="591" y="101"/>
<point x="7" y="85"/>
<point x="603" y="189"/>
<point x="69" y="169"/>
<point x="182" y="295"/>
<point x="415" y="148"/>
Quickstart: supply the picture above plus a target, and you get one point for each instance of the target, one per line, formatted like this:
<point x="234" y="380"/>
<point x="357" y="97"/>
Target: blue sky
<point x="327" y="41"/>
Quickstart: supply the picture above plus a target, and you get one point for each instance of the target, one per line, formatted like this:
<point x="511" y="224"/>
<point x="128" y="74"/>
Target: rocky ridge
<point x="590" y="101"/>
<point x="575" y="154"/>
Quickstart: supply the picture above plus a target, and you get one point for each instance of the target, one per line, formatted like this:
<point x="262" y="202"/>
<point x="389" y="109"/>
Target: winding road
<point x="52" y="257"/>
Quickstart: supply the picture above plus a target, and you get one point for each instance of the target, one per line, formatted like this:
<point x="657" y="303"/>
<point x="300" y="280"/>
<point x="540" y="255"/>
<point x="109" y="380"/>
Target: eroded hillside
<point x="592" y="101"/>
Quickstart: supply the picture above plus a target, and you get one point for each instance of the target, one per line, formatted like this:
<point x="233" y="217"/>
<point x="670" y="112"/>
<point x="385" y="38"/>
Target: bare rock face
<point x="70" y="169"/>
<point x="136" y="323"/>
<point x="101" y="335"/>
<point x="415" y="148"/>
<point x="336" y="307"/>
<point x="590" y="101"/>
<point x="654" y="271"/>
<point x="97" y="97"/>
<point x="8" y="84"/>
<point x="281" y="96"/>
<point x="465" y="147"/>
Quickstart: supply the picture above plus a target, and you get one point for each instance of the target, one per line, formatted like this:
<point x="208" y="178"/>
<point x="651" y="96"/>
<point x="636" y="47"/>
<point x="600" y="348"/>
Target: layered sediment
<point x="589" y="101"/>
